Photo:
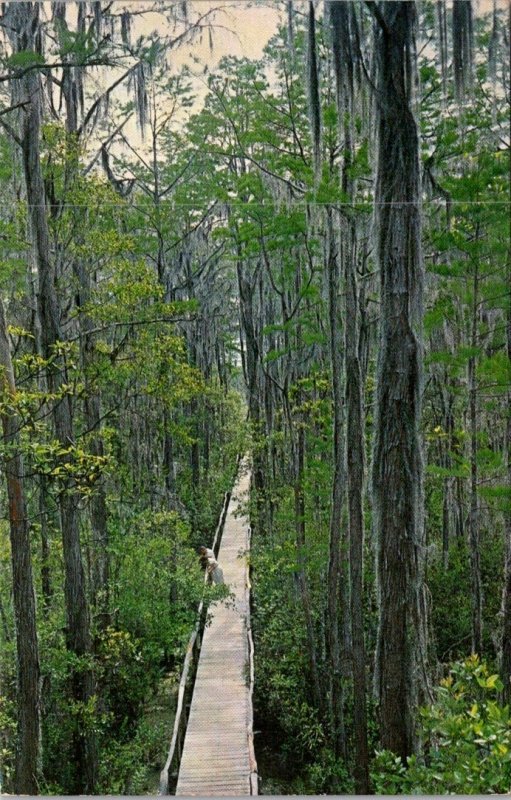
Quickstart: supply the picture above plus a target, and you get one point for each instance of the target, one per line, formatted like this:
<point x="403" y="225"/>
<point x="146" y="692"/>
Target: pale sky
<point x="251" y="24"/>
<point x="241" y="28"/>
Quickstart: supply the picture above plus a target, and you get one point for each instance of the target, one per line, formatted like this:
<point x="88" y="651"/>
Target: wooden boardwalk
<point x="218" y="755"/>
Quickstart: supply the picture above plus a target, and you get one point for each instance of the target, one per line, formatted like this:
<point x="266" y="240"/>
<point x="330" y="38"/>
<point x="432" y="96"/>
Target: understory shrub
<point x="467" y="740"/>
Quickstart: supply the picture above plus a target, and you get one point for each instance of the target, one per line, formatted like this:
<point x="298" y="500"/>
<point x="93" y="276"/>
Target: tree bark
<point x="92" y="419"/>
<point x="397" y="473"/>
<point x="46" y="583"/>
<point x="246" y="289"/>
<point x="302" y="567"/>
<point x="473" y="517"/>
<point x="355" y="474"/>
<point x="505" y="663"/>
<point x="25" y="24"/>
<point x="27" y="646"/>
<point x="92" y="401"/>
<point x="343" y="28"/>
<point x="336" y="551"/>
<point x="448" y="483"/>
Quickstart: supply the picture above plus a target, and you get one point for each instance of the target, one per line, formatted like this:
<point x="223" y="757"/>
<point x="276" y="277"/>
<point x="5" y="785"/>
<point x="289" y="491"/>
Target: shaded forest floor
<point x="274" y="779"/>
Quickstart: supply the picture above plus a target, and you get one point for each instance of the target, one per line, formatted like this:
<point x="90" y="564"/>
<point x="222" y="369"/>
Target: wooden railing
<point x="168" y="775"/>
<point x="254" y="782"/>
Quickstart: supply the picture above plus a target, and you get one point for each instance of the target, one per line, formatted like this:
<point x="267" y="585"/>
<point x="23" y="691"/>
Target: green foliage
<point x="146" y="288"/>
<point x="467" y="740"/>
<point x="7" y="737"/>
<point x="280" y="654"/>
<point x="124" y="675"/>
<point x="448" y="587"/>
<point x="152" y="552"/>
<point x="125" y="764"/>
<point x="24" y="58"/>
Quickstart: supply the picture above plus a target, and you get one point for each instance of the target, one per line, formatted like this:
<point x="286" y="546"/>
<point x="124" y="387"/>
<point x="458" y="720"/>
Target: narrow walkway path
<point x="217" y="756"/>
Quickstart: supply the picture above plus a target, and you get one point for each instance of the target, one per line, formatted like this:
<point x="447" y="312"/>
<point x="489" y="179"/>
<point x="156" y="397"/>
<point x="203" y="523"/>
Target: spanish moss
<point x="98" y="18"/>
<point x="248" y="277"/>
<point x="441" y="17"/>
<point x="138" y="82"/>
<point x="126" y="28"/>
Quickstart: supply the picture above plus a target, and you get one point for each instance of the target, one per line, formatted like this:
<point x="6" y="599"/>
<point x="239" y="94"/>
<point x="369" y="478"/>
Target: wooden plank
<point x="179" y="720"/>
<point x="217" y="756"/>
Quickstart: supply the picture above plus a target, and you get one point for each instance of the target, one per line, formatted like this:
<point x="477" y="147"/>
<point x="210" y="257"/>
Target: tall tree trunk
<point x="462" y="45"/>
<point x="98" y="514"/>
<point x="44" y="501"/>
<point x="473" y="517"/>
<point x="344" y="31"/>
<point x="303" y="581"/>
<point x="27" y="647"/>
<point x="195" y="463"/>
<point x="46" y="584"/>
<point x="397" y="474"/>
<point x="355" y="473"/>
<point x="6" y="631"/>
<point x="505" y="665"/>
<point x="448" y="483"/>
<point x="313" y="90"/>
<point x="92" y="404"/>
<point x="336" y="551"/>
<point x="92" y="419"/>
<point x="445" y="523"/>
<point x="165" y="282"/>
<point x="246" y="289"/>
<point x="25" y="23"/>
<point x="168" y="459"/>
<point x="298" y="449"/>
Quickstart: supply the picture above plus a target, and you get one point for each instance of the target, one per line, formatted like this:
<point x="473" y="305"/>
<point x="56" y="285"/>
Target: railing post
<point x="254" y="787"/>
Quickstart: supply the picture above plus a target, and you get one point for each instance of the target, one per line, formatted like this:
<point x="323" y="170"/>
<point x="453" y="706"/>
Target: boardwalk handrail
<point x="191" y="657"/>
<point x="254" y="785"/>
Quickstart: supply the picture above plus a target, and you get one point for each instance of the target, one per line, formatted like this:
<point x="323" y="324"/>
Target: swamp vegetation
<point x="304" y="257"/>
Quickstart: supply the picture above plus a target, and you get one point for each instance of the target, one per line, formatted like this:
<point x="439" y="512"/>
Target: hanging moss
<point x="137" y="84"/>
<point x="126" y="28"/>
<point x="97" y="17"/>
<point x="442" y="42"/>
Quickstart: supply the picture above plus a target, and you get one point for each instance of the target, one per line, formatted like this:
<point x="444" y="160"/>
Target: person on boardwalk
<point x="209" y="562"/>
<point x="204" y="554"/>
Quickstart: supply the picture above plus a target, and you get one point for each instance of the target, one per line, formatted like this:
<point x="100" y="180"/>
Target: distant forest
<point x="303" y="259"/>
